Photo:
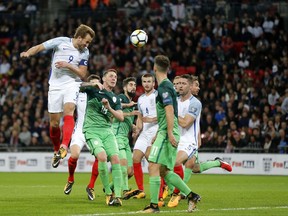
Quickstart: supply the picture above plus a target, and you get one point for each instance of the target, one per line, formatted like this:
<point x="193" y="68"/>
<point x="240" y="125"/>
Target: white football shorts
<point x="189" y="148"/>
<point x="78" y="139"/>
<point x="58" y="97"/>
<point x="144" y="140"/>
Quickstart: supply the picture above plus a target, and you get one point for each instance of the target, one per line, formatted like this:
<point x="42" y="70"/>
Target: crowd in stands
<point x="242" y="66"/>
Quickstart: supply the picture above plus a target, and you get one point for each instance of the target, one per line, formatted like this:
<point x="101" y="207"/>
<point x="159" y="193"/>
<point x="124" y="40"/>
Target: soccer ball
<point x="138" y="38"/>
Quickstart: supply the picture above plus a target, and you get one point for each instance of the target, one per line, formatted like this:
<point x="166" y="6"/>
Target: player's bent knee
<point x="178" y="163"/>
<point x="68" y="109"/>
<point x="102" y="158"/>
<point x="75" y="155"/>
<point x="137" y="160"/>
<point x="54" y="124"/>
<point x="115" y="159"/>
<point x="163" y="171"/>
<point x="54" y="119"/>
<point x="75" y="151"/>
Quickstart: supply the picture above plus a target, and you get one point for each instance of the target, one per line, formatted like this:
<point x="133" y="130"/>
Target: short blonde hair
<point x="194" y="78"/>
<point x="83" y="30"/>
<point x="110" y="70"/>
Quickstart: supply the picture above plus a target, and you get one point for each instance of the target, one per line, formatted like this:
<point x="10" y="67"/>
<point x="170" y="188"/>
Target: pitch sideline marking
<point x="213" y="209"/>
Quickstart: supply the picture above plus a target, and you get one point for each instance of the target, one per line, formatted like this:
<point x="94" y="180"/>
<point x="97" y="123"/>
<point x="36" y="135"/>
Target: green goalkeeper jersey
<point x="97" y="116"/>
<point x="123" y="128"/>
<point x="166" y="96"/>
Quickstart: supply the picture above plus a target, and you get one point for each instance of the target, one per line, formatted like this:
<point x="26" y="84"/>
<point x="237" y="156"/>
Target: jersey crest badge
<point x="114" y="99"/>
<point x="192" y="109"/>
<point x="165" y="94"/>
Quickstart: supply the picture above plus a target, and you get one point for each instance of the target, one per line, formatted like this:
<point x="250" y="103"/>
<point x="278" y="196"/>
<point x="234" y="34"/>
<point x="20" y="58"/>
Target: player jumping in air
<point x="68" y="66"/>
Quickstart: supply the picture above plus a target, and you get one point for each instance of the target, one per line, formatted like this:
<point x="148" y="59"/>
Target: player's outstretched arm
<point x="92" y="84"/>
<point x="32" y="51"/>
<point x="149" y="119"/>
<point x="133" y="113"/>
<point x="139" y="122"/>
<point x="131" y="104"/>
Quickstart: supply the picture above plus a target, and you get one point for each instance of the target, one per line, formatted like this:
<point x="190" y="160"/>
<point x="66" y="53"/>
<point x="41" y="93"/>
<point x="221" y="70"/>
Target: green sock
<point x="124" y="178"/>
<point x="177" y="182"/>
<point x="170" y="187"/>
<point x="111" y="185"/>
<point x="187" y="175"/>
<point x="208" y="165"/>
<point x="154" y="182"/>
<point x="117" y="179"/>
<point x="104" y="175"/>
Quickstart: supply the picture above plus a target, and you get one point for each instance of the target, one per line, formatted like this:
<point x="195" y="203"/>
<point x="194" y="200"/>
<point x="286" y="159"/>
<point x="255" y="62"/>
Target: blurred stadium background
<point x="237" y="48"/>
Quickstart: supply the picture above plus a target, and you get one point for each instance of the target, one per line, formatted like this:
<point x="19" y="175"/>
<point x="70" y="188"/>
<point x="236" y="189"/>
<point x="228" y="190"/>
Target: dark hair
<point x="147" y="75"/>
<point x="268" y="136"/>
<point x="94" y="76"/>
<point x="83" y="30"/>
<point x="127" y="80"/>
<point x="162" y="63"/>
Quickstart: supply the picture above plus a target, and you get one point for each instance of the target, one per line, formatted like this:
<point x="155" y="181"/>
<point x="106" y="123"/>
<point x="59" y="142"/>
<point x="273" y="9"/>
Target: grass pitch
<point x="222" y="195"/>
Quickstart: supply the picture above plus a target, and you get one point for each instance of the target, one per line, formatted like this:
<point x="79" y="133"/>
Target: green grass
<point x="222" y="195"/>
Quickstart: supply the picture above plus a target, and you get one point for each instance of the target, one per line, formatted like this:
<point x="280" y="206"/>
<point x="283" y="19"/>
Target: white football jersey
<point x="193" y="107"/>
<point x="147" y="107"/>
<point x="63" y="50"/>
<point x="81" y="108"/>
